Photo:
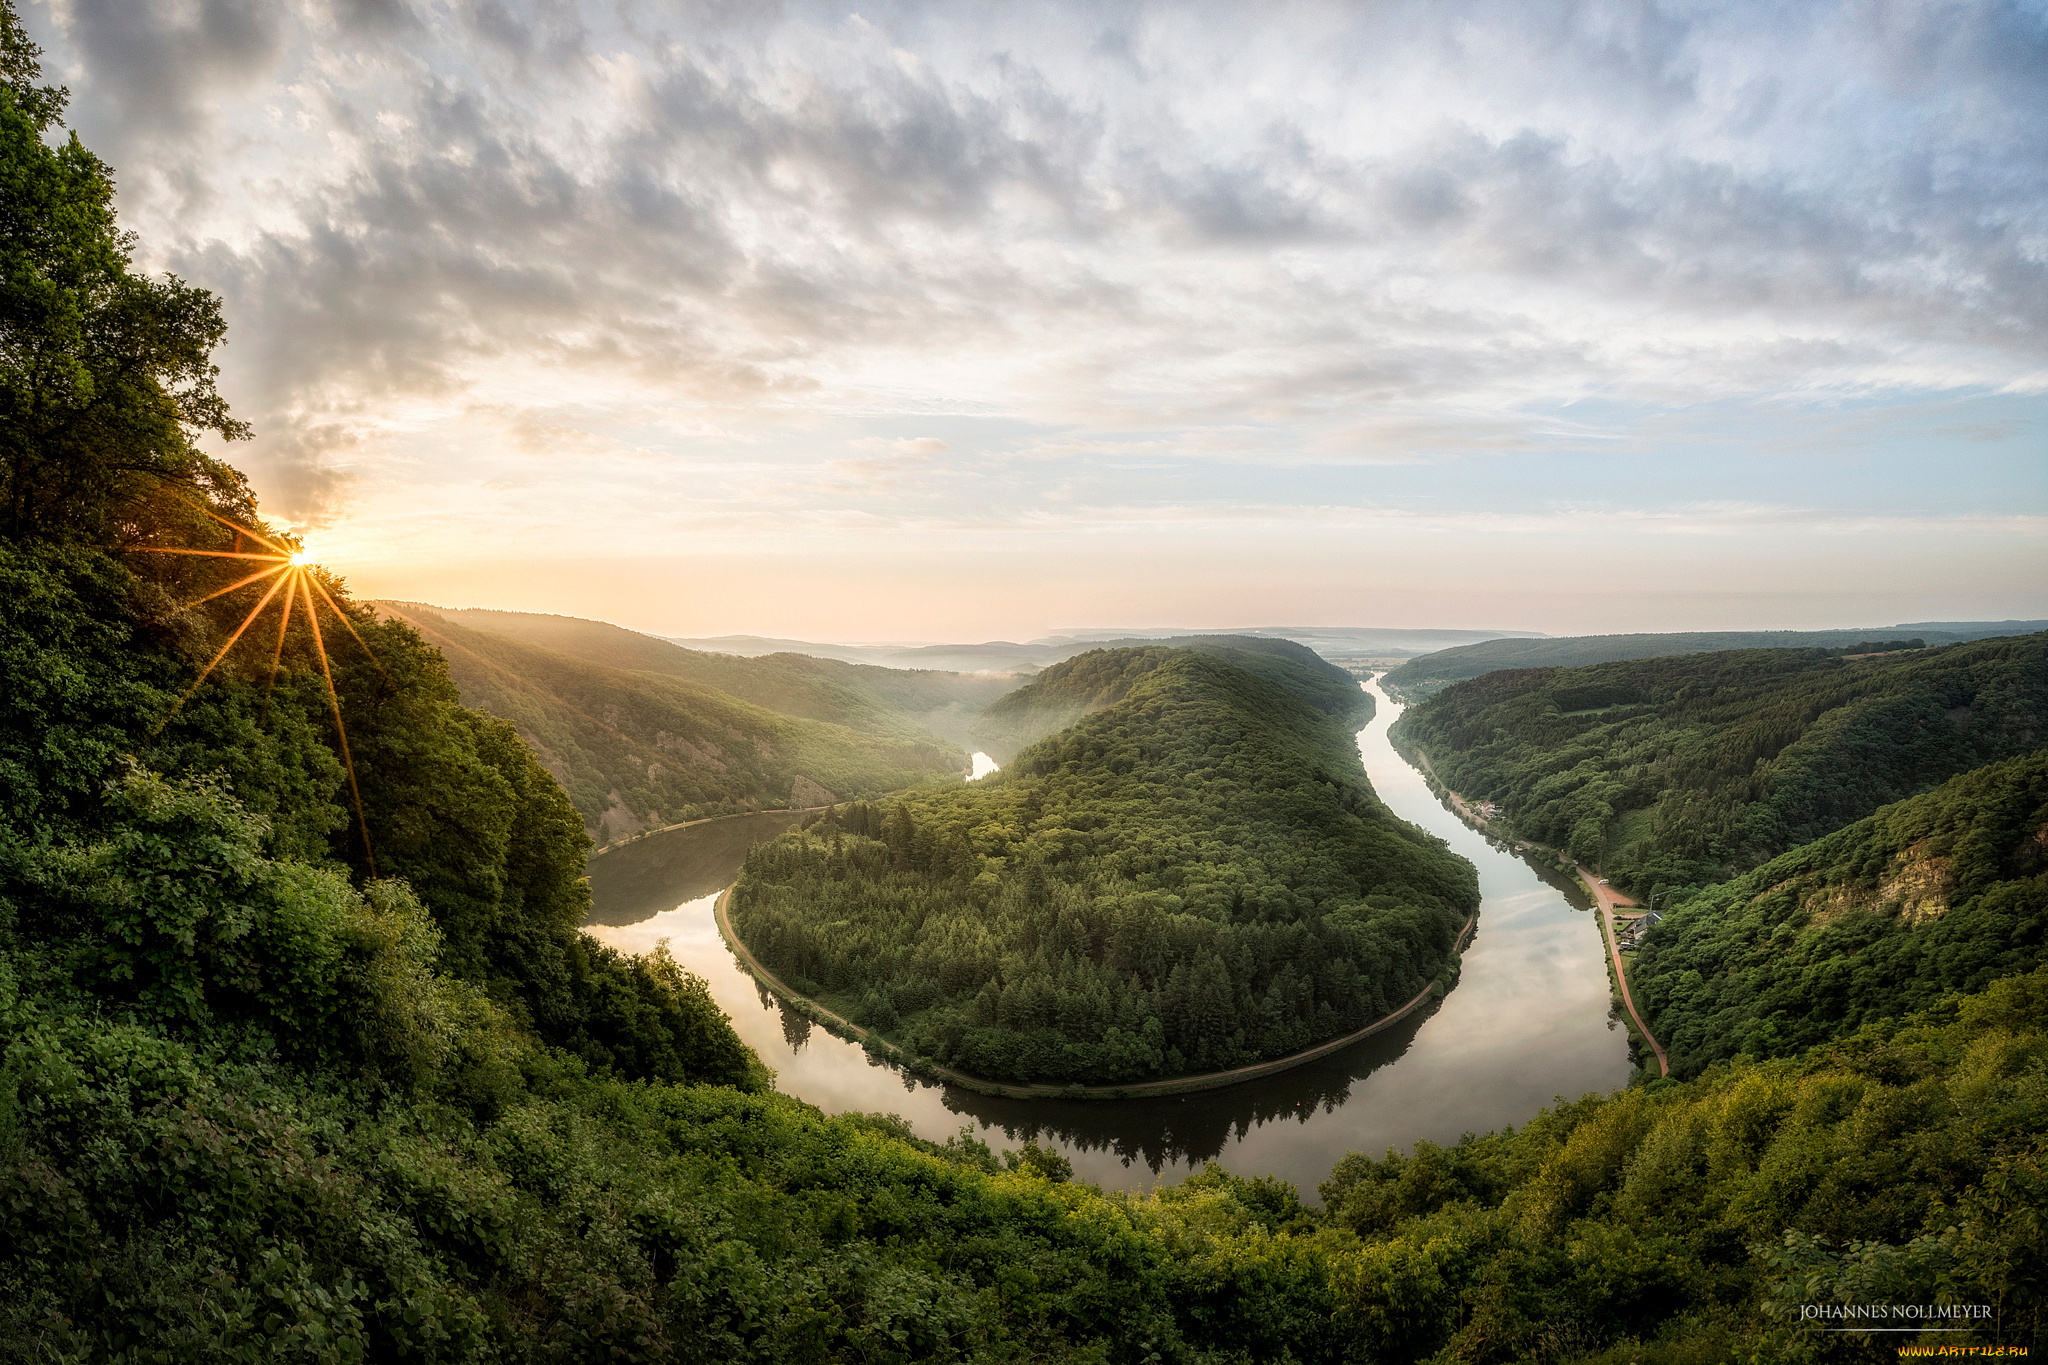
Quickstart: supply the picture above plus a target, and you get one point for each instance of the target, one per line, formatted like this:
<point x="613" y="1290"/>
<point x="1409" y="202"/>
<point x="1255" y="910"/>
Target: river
<point x="1530" y="1020"/>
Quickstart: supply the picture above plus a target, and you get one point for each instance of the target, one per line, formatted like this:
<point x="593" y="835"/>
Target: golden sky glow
<point x="945" y="321"/>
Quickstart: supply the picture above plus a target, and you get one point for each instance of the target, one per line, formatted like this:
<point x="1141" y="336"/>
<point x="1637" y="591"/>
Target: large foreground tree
<point x="106" y="377"/>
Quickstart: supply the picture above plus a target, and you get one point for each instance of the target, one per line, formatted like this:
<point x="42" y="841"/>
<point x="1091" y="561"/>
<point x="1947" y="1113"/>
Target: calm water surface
<point x="1528" y="1021"/>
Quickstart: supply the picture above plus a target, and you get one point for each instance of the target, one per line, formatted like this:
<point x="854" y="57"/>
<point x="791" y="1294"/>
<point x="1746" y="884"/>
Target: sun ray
<point x="256" y="536"/>
<point x="334" y="700"/>
<point x="300" y="585"/>
<point x="210" y="554"/>
<point x="284" y="623"/>
<point x="242" y="583"/>
<point x="254" y="612"/>
<point x="317" y="586"/>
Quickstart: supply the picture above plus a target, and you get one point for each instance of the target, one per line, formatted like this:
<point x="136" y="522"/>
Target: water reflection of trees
<point x="1179" y="1128"/>
<point x="796" y="1028"/>
<point x="1540" y="861"/>
<point x="658" y="872"/>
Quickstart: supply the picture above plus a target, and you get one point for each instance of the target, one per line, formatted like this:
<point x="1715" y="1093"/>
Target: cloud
<point x="151" y="66"/>
<point x="916" y="446"/>
<point x="892" y="463"/>
<point x="1357" y="232"/>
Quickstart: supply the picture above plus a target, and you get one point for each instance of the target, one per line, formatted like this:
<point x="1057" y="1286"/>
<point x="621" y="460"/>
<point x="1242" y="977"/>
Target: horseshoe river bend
<point x="1529" y="1020"/>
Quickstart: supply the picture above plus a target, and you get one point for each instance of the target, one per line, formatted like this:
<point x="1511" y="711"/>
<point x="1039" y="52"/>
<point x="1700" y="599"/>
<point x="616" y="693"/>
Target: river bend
<point x="1530" y="1020"/>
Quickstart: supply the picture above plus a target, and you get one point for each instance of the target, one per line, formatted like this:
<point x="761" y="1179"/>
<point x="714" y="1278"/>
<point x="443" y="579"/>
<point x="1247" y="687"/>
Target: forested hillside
<point x="285" y="1076"/>
<point x="1945" y="891"/>
<point x="1093" y="681"/>
<point x="1196" y="878"/>
<point x="1423" y="677"/>
<point x="1690" y="1223"/>
<point x="642" y="748"/>
<point x="905" y="704"/>
<point x="1666" y="773"/>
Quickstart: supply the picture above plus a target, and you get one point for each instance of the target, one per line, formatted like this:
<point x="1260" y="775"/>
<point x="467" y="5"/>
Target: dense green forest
<point x="1945" y="891"/>
<point x="1195" y="878"/>
<point x="1674" y="772"/>
<point x="280" y="1081"/>
<point x="907" y="704"/>
<point x="1680" y="1223"/>
<point x="640" y="748"/>
<point x="1098" y="678"/>
<point x="1424" y="676"/>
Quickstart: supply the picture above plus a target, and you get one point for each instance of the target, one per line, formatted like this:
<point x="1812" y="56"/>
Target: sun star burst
<point x="291" y="571"/>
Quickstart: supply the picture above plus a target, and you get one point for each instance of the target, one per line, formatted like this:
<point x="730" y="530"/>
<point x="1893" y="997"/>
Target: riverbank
<point x="1604" y="900"/>
<point x="638" y="835"/>
<point x="1420" y="761"/>
<point x="1175" y="1085"/>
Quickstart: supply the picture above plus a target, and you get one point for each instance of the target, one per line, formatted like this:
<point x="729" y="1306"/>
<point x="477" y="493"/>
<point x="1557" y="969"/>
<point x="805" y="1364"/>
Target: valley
<point x="1911" y="870"/>
<point x="390" y="982"/>
<point x="1528" y="1020"/>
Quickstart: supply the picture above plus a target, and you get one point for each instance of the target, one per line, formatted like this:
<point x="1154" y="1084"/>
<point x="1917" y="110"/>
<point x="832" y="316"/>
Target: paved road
<point x="1608" y="898"/>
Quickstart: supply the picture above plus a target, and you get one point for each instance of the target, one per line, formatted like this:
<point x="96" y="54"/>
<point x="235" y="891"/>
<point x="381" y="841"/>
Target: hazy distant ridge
<point x="1336" y="643"/>
<point x="1431" y="673"/>
<point x="643" y="733"/>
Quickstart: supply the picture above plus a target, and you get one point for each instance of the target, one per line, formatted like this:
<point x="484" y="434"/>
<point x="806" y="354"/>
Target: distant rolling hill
<point x="754" y="646"/>
<point x="992" y="656"/>
<point x="641" y="737"/>
<point x="1103" y="675"/>
<point x="910" y="704"/>
<point x="1428" y="674"/>
<point x="1339" y="644"/>
<point x="1342" y="645"/>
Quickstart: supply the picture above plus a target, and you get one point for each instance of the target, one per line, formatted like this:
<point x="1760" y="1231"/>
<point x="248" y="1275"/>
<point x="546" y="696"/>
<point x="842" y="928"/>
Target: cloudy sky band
<point x="655" y="279"/>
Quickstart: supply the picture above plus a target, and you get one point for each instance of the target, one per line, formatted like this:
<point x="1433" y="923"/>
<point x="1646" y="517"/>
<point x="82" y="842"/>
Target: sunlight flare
<point x="297" y="576"/>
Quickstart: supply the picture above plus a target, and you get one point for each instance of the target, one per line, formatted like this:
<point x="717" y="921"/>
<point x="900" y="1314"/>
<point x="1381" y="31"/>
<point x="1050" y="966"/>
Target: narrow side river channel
<point x="1530" y="1020"/>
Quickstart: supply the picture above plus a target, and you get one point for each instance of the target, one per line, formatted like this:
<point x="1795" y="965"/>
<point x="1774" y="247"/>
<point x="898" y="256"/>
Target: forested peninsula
<point x="302" y="1057"/>
<point x="1196" y="878"/>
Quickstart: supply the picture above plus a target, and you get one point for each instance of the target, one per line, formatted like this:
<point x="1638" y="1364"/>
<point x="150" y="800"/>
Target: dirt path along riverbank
<point x="1607" y="898"/>
<point x="1604" y="896"/>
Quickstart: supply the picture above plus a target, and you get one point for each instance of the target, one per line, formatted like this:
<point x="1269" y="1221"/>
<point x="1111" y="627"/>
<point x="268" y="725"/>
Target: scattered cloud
<point x="1139" y="237"/>
<point x="919" y="447"/>
<point x="900" y="462"/>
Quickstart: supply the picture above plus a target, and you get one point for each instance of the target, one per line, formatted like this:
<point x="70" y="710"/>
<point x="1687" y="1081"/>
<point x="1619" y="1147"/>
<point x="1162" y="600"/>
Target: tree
<point x="106" y="376"/>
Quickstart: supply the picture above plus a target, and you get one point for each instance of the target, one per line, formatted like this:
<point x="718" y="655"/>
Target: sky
<point x="964" y="321"/>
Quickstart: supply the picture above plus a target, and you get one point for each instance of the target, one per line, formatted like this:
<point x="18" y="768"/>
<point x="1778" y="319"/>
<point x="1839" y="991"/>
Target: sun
<point x="291" y="571"/>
